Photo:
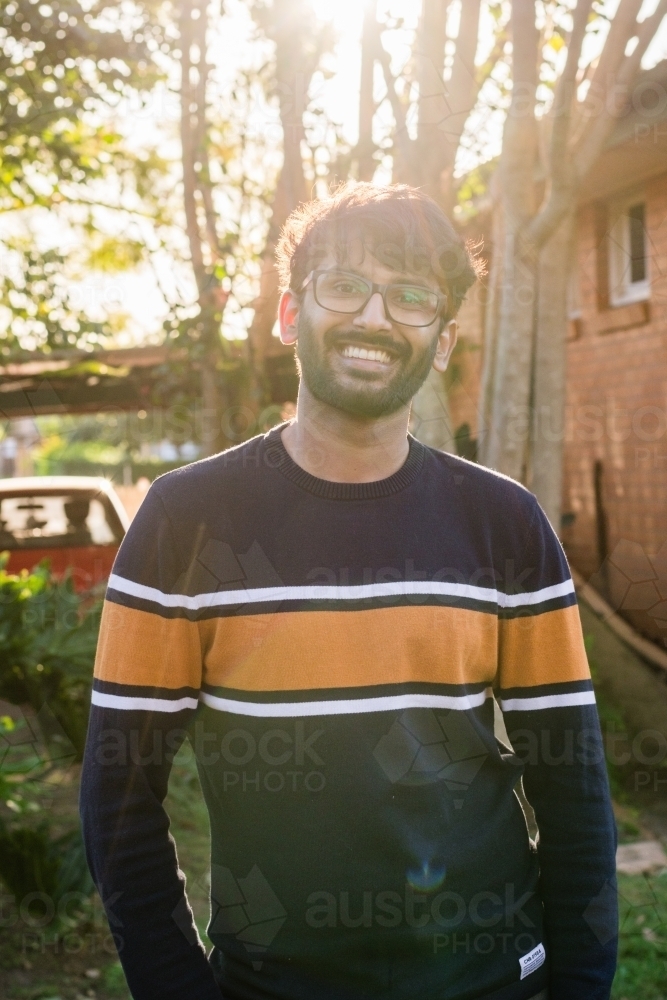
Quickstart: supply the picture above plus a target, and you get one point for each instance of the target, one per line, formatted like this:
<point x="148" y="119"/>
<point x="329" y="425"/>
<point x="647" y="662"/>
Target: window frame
<point x="622" y="291"/>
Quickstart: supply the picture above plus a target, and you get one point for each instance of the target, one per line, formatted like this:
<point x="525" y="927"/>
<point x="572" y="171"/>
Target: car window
<point x="43" y="521"/>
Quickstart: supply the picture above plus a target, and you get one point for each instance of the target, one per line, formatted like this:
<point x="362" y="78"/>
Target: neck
<point x="334" y="445"/>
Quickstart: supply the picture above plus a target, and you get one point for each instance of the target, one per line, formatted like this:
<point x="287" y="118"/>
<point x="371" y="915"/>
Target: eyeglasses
<point x="348" y="293"/>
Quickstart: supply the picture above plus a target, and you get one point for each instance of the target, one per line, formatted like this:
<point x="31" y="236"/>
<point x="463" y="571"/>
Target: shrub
<point x="32" y="860"/>
<point x="48" y="635"/>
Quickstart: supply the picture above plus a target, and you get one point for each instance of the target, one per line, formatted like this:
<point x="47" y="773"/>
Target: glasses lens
<point x="341" y="292"/>
<point x="412" y="305"/>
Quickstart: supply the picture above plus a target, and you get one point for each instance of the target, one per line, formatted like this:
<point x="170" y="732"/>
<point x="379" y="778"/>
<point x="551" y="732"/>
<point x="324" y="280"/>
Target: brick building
<point x="615" y="477"/>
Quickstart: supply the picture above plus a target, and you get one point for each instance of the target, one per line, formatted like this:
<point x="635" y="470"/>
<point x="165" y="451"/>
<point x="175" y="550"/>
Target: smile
<point x="366" y="354"/>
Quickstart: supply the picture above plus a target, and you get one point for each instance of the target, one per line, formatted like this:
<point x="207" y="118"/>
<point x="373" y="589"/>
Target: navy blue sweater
<point x="334" y="652"/>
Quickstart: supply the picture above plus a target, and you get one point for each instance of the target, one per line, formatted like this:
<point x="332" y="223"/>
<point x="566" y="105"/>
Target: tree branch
<point x="566" y="89"/>
<point x="188" y="148"/>
<point x="562" y="176"/>
<point x="647" y="29"/>
<point x="369" y="43"/>
<point x="626" y="69"/>
<point x="199" y="138"/>
<point x="604" y="74"/>
<point x="402" y="140"/>
<point x="463" y="87"/>
<point x="517" y="160"/>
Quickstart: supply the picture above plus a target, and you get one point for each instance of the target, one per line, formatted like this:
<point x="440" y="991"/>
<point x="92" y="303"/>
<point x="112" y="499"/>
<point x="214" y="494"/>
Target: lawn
<point x="642" y="968"/>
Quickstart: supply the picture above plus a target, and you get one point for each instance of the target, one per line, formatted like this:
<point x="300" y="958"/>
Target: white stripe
<point x="314" y="593"/>
<point x="547" y="701"/>
<point x="143" y="704"/>
<point x="297" y="709"/>
<point x="536" y="596"/>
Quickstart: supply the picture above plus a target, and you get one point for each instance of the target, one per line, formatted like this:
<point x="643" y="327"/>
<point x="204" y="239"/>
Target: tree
<point x="64" y="68"/>
<point x="219" y="249"/>
<point x="438" y="89"/>
<point x="201" y="224"/>
<point x="524" y="379"/>
<point x="442" y="108"/>
<point x="299" y="43"/>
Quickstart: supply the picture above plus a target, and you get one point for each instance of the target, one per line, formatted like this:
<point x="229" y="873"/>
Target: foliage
<point x="31" y="858"/>
<point x="47" y="644"/>
<point x="110" y="444"/>
<point x="36" y="293"/>
<point x="48" y="636"/>
<point x="65" y="67"/>
<point x="57" y="61"/>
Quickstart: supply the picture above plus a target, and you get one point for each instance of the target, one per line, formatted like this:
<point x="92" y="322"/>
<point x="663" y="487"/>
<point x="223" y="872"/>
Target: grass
<point x="642" y="966"/>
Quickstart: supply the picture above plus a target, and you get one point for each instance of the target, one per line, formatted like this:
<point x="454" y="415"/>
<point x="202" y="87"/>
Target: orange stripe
<point x="303" y="650"/>
<point x="136" y="647"/>
<point x="543" y="649"/>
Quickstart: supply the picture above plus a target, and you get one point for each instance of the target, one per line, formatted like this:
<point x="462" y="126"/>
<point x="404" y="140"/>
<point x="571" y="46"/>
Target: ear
<point x="446" y="344"/>
<point x="288" y="314"/>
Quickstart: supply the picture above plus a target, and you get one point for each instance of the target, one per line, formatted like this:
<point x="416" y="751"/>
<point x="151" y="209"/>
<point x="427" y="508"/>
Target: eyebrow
<point x="404" y="280"/>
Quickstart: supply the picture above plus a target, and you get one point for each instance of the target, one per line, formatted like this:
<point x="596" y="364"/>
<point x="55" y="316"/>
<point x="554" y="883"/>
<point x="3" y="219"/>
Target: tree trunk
<point x="491" y="309"/>
<point x="548" y="426"/>
<point x="365" y="146"/>
<point x="294" y="69"/>
<point x="430" y="420"/>
<point x="528" y="398"/>
<point x="508" y="436"/>
<point x="206" y="347"/>
<point x="211" y="407"/>
<point x="508" y="433"/>
<point x="443" y="110"/>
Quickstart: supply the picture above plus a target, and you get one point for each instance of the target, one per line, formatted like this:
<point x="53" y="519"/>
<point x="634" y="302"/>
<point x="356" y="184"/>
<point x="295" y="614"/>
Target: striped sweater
<point x="335" y="654"/>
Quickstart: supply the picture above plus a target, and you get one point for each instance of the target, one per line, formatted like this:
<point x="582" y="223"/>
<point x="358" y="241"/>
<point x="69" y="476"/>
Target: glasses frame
<point x="375" y="289"/>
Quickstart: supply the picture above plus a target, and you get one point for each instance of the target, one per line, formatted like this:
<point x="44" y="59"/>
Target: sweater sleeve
<point x="145" y="688"/>
<point x="546" y="695"/>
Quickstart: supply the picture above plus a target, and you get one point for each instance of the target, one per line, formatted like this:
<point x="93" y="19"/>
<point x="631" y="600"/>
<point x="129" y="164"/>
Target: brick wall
<point x="615" y="467"/>
<point x="615" y="490"/>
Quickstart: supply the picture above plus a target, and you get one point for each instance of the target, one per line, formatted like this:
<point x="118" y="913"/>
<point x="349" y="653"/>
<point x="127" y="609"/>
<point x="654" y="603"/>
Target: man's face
<point x="365" y="364"/>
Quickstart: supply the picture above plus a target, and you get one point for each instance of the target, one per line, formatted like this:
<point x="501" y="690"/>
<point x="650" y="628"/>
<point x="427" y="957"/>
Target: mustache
<point x="373" y="341"/>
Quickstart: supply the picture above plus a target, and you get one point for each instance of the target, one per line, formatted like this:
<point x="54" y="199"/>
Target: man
<point x="328" y="609"/>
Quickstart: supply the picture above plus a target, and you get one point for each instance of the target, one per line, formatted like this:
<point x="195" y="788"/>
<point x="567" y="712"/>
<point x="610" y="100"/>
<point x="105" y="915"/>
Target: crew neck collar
<point x="278" y="458"/>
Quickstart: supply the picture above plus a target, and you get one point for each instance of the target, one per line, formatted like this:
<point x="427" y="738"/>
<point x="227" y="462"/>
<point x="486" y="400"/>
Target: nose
<point x="373" y="316"/>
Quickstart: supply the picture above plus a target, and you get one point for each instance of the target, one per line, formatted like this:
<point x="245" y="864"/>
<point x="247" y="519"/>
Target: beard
<point x="369" y="395"/>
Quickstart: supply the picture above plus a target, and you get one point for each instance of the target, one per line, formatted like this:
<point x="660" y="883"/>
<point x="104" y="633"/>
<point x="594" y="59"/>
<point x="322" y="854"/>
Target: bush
<point x="48" y="635"/>
<point x="32" y="860"/>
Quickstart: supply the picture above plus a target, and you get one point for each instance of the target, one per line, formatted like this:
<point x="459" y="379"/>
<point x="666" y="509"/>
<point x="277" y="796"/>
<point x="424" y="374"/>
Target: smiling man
<point x="328" y="611"/>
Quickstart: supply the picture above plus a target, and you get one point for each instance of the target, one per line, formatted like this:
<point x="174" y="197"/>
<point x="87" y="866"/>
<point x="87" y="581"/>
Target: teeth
<point x="366" y="355"/>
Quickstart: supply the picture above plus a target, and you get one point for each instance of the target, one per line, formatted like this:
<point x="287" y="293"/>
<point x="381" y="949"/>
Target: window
<point x="53" y="521"/>
<point x="628" y="252"/>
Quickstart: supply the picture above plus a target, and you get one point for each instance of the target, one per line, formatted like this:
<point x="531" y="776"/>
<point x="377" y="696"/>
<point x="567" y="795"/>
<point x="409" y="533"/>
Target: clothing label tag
<point x="532" y="961"/>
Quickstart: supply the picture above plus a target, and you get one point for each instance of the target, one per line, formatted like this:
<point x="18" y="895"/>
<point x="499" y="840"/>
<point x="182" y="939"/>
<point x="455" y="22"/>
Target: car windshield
<point x="57" y="520"/>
